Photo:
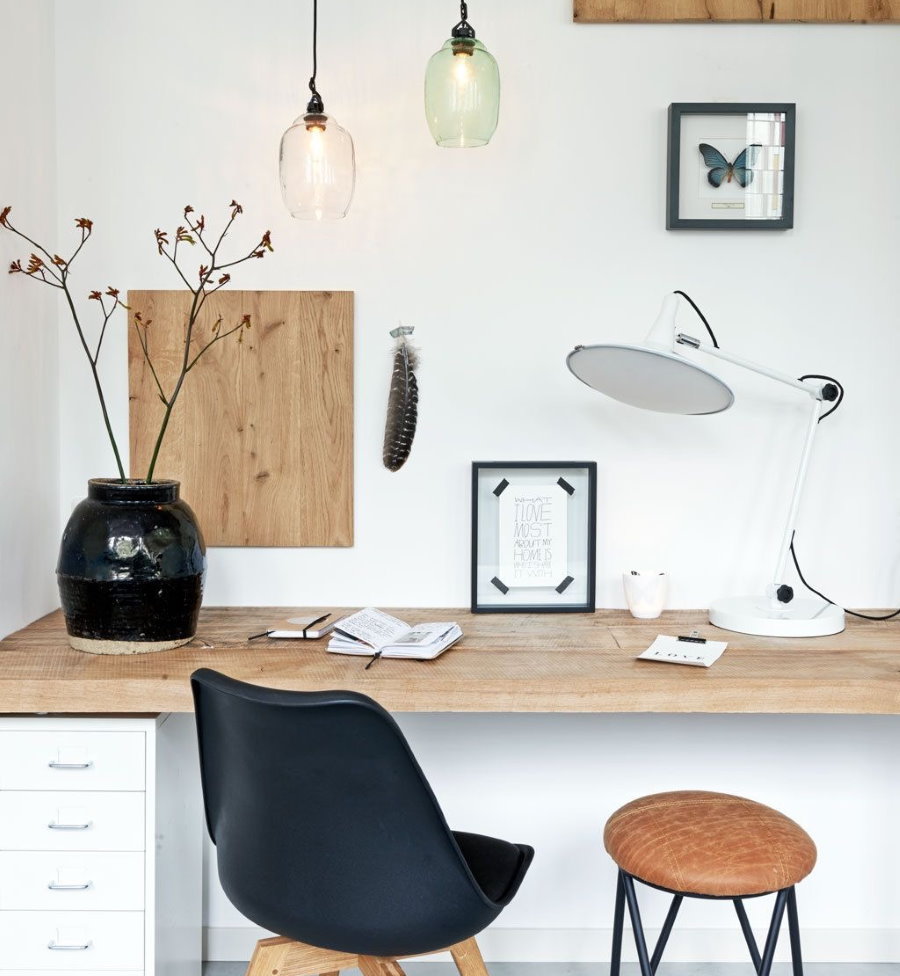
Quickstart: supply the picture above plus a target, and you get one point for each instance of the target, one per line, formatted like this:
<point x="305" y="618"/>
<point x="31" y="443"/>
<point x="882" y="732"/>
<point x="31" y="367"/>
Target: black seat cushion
<point x="497" y="865"/>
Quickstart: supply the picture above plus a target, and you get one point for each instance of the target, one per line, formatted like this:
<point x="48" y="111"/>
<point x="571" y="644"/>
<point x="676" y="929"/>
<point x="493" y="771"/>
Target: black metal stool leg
<point x="618" y="925"/>
<point x="665" y="932"/>
<point x="794" y="931"/>
<point x="748" y="932"/>
<point x="636" y="925"/>
<point x="765" y="967"/>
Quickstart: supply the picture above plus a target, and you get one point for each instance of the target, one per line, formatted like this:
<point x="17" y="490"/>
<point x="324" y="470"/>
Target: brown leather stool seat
<point x="710" y="844"/>
<point x="695" y="844"/>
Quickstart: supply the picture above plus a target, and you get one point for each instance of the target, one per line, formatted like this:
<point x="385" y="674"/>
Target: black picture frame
<point x="490" y="594"/>
<point x="784" y="118"/>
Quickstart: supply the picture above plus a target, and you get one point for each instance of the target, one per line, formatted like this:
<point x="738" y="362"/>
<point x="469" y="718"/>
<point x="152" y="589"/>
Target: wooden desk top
<point x="505" y="663"/>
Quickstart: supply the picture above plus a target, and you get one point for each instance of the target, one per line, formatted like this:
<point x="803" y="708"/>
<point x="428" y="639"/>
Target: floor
<point x="600" y="969"/>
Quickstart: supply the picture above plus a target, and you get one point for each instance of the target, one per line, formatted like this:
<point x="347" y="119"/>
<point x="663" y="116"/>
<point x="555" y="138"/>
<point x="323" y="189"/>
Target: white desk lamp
<point x="657" y="376"/>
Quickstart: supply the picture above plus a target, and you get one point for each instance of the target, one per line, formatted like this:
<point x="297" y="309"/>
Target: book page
<point x="424" y="634"/>
<point x="375" y="628"/>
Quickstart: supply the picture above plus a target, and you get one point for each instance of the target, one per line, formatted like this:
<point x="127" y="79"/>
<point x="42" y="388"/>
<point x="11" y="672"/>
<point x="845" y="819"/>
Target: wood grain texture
<point x="743" y="11"/>
<point x="468" y="959"/>
<point x="280" y="956"/>
<point x="504" y="663"/>
<point x="261" y="437"/>
<point x="380" y="966"/>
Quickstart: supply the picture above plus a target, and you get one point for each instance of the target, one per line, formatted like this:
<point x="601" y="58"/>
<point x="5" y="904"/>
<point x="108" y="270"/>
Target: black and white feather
<point x="402" y="409"/>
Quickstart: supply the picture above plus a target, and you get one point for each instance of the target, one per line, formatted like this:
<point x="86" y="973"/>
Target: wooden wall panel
<point x="261" y="437"/>
<point x="749" y="11"/>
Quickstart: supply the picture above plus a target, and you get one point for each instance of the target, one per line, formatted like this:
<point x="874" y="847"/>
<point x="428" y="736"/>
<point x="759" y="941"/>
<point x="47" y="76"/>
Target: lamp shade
<point x="317" y="168"/>
<point x="650" y="378"/>
<point x="462" y="94"/>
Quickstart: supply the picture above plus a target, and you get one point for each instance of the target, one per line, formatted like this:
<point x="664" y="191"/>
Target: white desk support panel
<point x="100" y="847"/>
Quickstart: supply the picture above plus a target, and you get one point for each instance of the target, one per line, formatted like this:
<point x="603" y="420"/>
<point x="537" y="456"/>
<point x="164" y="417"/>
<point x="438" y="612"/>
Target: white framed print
<point x="533" y="536"/>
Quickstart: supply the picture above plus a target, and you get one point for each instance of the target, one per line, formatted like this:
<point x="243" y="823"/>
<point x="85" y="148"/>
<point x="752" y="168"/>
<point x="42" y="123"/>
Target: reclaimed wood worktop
<point x="504" y="663"/>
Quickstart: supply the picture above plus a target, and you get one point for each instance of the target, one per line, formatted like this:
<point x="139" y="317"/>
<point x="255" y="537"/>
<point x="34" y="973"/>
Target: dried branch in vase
<point x="52" y="270"/>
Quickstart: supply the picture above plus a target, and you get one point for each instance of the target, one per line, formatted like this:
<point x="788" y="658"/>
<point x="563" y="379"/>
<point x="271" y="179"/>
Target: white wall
<point x="29" y="420"/>
<point x="505" y="258"/>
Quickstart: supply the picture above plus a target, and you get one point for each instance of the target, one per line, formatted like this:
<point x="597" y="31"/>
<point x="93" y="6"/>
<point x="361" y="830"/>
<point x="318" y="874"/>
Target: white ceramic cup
<point x="645" y="592"/>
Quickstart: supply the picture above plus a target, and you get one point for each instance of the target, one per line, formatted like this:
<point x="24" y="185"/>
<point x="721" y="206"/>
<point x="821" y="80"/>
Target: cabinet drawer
<point x="40" y="880"/>
<point x="72" y="760"/>
<point x="82" y="821"/>
<point x="114" y="940"/>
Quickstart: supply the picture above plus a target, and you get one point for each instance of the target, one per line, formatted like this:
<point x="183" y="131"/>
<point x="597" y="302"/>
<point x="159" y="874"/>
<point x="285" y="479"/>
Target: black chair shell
<point x="327" y="831"/>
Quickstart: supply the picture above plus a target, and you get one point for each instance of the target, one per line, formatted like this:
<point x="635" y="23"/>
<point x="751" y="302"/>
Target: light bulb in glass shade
<point x="462" y="94"/>
<point x="318" y="168"/>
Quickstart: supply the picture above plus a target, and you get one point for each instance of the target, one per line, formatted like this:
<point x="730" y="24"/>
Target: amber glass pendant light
<point x="317" y="164"/>
<point x="462" y="90"/>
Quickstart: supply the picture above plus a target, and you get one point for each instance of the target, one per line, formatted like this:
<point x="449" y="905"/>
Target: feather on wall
<point x="402" y="409"/>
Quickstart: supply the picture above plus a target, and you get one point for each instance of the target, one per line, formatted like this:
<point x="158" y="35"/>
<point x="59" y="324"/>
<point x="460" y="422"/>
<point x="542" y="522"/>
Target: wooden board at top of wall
<point x="737" y="11"/>
<point x="261" y="437"/>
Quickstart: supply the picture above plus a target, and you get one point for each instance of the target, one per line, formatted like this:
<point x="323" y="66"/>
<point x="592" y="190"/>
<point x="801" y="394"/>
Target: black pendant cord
<point x="316" y="104"/>
<point x="463" y="28"/>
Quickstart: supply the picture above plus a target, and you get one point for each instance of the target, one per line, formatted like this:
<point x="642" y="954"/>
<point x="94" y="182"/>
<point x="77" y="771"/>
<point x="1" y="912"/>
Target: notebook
<point x="372" y="631"/>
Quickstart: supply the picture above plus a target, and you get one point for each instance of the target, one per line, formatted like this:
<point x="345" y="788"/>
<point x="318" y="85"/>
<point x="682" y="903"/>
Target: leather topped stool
<point x="695" y="844"/>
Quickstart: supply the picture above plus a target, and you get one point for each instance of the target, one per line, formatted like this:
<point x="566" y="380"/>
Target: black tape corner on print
<point x="565" y="584"/>
<point x="501" y="586"/>
<point x="504" y="484"/>
<point x="566" y="486"/>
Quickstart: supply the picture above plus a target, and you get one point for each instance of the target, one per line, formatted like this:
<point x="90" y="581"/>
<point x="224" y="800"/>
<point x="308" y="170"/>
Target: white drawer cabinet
<point x="53" y="881"/>
<point x="72" y="942"/>
<point x="72" y="760"/>
<point x="71" y="821"/>
<point x="100" y="847"/>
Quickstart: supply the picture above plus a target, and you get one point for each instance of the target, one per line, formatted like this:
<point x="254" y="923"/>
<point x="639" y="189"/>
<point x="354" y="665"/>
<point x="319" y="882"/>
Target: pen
<point x="265" y="633"/>
<point x="318" y="620"/>
<point x="372" y="660"/>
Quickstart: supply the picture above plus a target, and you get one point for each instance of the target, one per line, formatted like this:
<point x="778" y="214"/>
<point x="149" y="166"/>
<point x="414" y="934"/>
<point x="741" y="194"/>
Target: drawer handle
<point x="53" y="886"/>
<point x="53" y="764"/>
<point x="58" y="826"/>
<point x="69" y="948"/>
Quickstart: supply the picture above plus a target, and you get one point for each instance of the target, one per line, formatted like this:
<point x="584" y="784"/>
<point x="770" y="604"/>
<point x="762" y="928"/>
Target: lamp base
<point x="754" y="615"/>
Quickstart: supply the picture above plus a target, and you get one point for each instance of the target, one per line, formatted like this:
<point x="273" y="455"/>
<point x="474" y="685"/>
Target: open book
<point x="370" y="632"/>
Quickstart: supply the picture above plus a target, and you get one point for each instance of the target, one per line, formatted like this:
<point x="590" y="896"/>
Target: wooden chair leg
<point x="285" y="957"/>
<point x="468" y="959"/>
<point x="379" y="966"/>
<point x="268" y="957"/>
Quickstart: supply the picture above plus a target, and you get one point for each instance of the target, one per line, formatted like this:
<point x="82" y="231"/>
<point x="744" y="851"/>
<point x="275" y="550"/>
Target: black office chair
<point x="327" y="833"/>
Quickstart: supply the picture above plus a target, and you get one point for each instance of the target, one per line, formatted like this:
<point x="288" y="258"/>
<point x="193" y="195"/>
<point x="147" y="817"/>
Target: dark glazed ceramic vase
<point x="131" y="567"/>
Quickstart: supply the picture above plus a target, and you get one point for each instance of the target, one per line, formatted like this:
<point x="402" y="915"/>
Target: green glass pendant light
<point x="462" y="90"/>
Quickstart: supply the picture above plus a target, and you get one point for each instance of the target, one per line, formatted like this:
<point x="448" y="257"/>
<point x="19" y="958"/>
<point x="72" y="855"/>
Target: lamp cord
<point x="837" y="402"/>
<point x="696" y="308"/>
<point x="812" y="589"/>
<point x="316" y="97"/>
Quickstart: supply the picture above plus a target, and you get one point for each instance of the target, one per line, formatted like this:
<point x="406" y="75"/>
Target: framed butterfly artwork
<point x="730" y="166"/>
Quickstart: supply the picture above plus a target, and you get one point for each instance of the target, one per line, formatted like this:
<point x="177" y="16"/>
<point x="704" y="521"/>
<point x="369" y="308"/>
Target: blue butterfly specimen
<point x="721" y="170"/>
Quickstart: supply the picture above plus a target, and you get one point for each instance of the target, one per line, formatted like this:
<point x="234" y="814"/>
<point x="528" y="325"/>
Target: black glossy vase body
<point x="131" y="568"/>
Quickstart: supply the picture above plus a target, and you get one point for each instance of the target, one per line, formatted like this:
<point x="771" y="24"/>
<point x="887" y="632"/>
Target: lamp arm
<point x="814" y="391"/>
<point x="780" y="593"/>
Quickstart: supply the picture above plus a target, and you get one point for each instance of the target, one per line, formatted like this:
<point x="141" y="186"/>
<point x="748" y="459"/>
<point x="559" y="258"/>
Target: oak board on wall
<point x="261" y="437"/>
<point x="747" y="11"/>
